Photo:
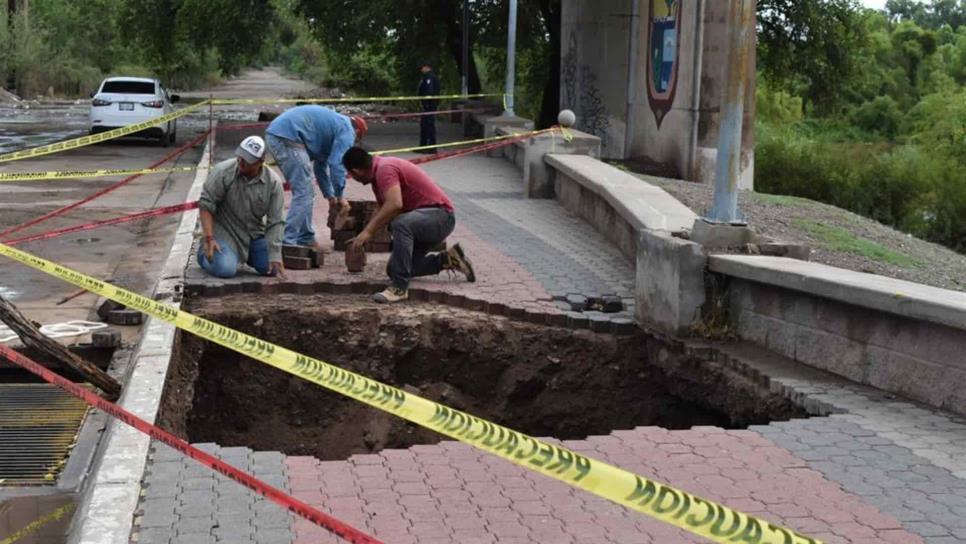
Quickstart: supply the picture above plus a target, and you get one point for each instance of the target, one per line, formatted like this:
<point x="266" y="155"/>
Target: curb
<point x="106" y="511"/>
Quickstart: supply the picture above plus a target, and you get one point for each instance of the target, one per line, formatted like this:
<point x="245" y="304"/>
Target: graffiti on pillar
<point x="662" y="58"/>
<point x="580" y="93"/>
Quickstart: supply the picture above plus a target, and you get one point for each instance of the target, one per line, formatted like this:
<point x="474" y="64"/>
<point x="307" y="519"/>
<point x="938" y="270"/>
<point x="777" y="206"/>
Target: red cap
<point x="360" y="125"/>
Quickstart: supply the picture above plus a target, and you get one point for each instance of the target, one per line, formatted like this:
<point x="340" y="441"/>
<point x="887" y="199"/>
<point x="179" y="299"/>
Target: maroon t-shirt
<point x="418" y="189"/>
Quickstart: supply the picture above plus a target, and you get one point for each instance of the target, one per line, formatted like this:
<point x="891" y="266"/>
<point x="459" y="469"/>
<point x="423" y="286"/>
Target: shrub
<point x="918" y="189"/>
<point x="880" y="115"/>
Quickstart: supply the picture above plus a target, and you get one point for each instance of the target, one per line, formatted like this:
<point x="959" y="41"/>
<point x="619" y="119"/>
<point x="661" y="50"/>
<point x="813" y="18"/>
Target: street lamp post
<point x="466" y="48"/>
<point x="511" y="55"/>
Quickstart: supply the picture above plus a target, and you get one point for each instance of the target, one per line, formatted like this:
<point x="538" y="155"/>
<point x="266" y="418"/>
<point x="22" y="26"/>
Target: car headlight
<point x="97" y="102"/>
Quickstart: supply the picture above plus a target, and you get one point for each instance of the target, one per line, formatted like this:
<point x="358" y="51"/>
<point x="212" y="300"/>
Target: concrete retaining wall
<point x="897" y="336"/>
<point x="618" y="204"/>
<point x="529" y="156"/>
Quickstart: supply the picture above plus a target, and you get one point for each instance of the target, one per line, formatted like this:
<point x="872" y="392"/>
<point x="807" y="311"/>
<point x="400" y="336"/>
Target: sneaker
<point x="390" y="295"/>
<point x="456" y="260"/>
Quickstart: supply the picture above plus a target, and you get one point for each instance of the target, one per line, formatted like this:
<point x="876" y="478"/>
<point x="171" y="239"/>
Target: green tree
<point x="235" y="28"/>
<point x="5" y="60"/>
<point x="932" y="15"/>
<point x="403" y="32"/>
<point x="811" y="44"/>
<point x="181" y="38"/>
<point x="913" y="45"/>
<point x="880" y="115"/>
<point x="938" y="123"/>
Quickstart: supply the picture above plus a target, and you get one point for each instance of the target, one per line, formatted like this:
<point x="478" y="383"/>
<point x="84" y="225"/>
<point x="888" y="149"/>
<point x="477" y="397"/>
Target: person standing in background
<point x="428" y="86"/>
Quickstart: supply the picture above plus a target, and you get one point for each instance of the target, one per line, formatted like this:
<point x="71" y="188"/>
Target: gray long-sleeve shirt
<point x="245" y="209"/>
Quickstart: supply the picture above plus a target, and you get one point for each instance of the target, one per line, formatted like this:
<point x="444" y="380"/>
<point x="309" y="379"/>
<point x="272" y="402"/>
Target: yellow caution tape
<point x="37" y="524"/>
<point x="520" y="135"/>
<point x="684" y="510"/>
<point x="97" y="138"/>
<point x="69" y="174"/>
<point x="347" y="100"/>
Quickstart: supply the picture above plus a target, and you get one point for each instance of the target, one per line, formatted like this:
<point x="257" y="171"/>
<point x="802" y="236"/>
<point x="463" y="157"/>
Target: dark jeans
<point x="414" y="234"/>
<point x="427" y="126"/>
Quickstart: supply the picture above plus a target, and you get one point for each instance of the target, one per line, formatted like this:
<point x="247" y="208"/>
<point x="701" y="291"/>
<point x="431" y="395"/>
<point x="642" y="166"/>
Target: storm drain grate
<point x="38" y="427"/>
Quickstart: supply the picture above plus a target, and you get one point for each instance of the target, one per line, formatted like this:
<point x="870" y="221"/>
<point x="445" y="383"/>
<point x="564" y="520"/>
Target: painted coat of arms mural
<point x="662" y="58"/>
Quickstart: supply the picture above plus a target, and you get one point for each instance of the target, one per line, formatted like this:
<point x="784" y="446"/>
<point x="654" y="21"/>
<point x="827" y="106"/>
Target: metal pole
<point x="698" y="63"/>
<point x="632" y="44"/>
<point x="466" y="47"/>
<point x="511" y="55"/>
<point x="728" y="167"/>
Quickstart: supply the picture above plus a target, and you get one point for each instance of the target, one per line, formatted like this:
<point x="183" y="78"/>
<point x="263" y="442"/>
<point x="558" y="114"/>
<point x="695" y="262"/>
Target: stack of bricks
<point x="301" y="258"/>
<point x="347" y="228"/>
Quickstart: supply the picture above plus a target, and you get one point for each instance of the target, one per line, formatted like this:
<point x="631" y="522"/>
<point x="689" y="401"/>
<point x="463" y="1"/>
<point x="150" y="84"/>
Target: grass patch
<point x="780" y="200"/>
<point x="838" y="239"/>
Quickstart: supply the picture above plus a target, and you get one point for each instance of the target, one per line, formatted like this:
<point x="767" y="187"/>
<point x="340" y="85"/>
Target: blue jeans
<point x="297" y="168"/>
<point x="224" y="263"/>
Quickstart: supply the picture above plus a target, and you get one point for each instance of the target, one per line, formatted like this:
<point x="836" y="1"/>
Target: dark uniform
<point x="428" y="86"/>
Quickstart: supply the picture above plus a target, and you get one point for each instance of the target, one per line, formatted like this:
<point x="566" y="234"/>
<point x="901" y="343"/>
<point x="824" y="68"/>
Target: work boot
<point x="456" y="260"/>
<point x="390" y="295"/>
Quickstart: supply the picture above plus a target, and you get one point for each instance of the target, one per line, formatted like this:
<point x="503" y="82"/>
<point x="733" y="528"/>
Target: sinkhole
<point x="543" y="381"/>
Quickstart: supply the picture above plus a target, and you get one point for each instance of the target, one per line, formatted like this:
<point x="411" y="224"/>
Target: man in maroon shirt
<point x="420" y="216"/>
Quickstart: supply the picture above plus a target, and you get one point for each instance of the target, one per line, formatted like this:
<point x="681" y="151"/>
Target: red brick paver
<point x="453" y="493"/>
<point x="501" y="280"/>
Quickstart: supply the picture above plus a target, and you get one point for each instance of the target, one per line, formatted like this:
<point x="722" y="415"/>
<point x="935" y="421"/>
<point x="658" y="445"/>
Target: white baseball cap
<point x="251" y="150"/>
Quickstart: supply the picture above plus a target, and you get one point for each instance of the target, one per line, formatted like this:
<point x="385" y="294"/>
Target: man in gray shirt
<point x="242" y="205"/>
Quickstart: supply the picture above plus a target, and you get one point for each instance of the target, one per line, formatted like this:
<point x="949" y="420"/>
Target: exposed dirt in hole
<point x="543" y="381"/>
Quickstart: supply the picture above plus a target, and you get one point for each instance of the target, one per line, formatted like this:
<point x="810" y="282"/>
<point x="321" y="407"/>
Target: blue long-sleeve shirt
<point x="326" y="135"/>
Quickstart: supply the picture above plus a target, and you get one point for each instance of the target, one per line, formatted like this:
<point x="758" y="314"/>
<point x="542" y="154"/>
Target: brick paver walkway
<point x="878" y="470"/>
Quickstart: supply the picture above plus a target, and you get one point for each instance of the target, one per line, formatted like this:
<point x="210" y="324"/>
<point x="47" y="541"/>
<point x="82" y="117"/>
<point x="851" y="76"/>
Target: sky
<point x="877" y="4"/>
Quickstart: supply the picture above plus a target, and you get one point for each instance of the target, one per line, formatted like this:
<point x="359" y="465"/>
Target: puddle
<point x="14" y="138"/>
<point x="36" y="520"/>
<point x="8" y="293"/>
<point x="543" y="381"/>
<point x="23" y="128"/>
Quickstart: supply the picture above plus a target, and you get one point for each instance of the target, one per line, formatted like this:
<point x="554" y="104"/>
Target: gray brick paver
<point x="195" y="538"/>
<point x="154" y="536"/>
<point x="190" y="525"/>
<point x="158" y="518"/>
<point x="926" y="528"/>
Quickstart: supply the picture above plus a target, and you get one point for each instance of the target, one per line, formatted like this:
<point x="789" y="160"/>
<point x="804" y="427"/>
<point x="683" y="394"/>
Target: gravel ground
<point x="837" y="237"/>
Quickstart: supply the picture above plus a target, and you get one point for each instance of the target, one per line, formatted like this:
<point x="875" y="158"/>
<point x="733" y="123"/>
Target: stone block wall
<point x="596" y="210"/>
<point x="918" y="359"/>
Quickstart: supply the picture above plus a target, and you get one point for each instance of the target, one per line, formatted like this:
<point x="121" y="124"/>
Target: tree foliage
<point x="404" y="33"/>
<point x="891" y="142"/>
<point x="932" y="15"/>
<point x="810" y="44"/>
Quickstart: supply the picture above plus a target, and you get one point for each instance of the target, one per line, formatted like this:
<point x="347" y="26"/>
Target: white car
<point x="122" y="101"/>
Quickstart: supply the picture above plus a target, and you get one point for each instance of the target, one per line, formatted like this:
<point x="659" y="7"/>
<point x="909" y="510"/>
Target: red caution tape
<point x="157" y="212"/>
<point x="102" y="192"/>
<point x="382" y="116"/>
<point x="275" y="495"/>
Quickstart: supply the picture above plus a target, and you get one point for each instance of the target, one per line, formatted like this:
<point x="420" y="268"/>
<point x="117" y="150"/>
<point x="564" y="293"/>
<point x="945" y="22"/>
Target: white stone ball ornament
<point x="567" y="118"/>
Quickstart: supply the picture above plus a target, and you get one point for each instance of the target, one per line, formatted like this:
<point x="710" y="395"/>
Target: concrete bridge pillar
<point x="647" y="77"/>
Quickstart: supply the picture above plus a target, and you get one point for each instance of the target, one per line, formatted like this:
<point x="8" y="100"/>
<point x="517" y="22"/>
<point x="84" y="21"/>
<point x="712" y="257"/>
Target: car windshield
<point x="128" y="87"/>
